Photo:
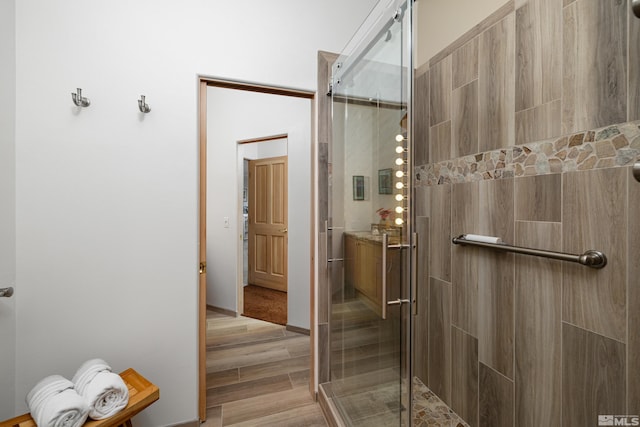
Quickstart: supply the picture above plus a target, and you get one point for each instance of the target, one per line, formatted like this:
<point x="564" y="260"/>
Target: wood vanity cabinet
<point x="363" y="269"/>
<point x="350" y="265"/>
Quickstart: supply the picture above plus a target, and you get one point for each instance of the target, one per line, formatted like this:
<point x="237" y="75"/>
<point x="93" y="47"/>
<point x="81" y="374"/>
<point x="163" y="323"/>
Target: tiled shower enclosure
<point x="526" y="129"/>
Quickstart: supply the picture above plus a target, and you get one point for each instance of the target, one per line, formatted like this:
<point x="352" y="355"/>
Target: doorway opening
<point x="220" y="215"/>
<point x="264" y="216"/>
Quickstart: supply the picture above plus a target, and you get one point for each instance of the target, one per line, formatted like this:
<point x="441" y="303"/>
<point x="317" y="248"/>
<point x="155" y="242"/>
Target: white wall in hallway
<point x="7" y="205"/>
<point x="234" y="115"/>
<point x="276" y="147"/>
<point x="106" y="197"/>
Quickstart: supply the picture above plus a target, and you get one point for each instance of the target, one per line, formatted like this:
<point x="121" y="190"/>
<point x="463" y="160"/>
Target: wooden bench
<point x="142" y="393"/>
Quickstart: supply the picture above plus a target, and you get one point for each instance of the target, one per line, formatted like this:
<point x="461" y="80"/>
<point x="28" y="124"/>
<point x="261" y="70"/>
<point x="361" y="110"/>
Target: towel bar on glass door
<point x="591" y="258"/>
<point x="6" y="292"/>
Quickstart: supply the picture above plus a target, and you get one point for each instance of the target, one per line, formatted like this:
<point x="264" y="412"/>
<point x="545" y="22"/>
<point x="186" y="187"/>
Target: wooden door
<point x="268" y="206"/>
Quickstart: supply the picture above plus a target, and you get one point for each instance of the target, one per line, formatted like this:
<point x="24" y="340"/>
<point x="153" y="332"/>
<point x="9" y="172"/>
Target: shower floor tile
<point x="366" y="385"/>
<point x="429" y="410"/>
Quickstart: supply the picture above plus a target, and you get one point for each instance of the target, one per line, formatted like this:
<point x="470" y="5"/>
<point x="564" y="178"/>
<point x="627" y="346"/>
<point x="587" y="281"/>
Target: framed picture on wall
<point x="358" y="187"/>
<point x="385" y="181"/>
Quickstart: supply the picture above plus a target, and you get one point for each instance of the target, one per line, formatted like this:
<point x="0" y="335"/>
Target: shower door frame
<point x="326" y="61"/>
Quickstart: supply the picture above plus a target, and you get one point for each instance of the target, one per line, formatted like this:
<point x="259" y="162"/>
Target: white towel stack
<point x="105" y="392"/>
<point x="54" y="402"/>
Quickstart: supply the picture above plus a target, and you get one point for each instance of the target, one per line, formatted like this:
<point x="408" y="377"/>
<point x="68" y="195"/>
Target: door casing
<point x="203" y="83"/>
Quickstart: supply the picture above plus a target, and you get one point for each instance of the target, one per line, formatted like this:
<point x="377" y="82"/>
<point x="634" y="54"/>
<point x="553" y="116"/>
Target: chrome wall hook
<point x="79" y="100"/>
<point x="143" y="106"/>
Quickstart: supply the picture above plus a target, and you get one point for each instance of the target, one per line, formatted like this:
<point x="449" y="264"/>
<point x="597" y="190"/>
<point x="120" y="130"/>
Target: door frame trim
<point x="202" y="249"/>
<point x="203" y="83"/>
<point x="263" y="139"/>
<point x="321" y="167"/>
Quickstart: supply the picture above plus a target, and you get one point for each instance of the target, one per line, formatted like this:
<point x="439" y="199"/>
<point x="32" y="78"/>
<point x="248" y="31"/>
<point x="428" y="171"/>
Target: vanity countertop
<point x="368" y="236"/>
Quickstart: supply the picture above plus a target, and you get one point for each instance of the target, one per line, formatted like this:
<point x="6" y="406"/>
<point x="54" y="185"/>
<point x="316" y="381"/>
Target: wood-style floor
<point x="257" y="375"/>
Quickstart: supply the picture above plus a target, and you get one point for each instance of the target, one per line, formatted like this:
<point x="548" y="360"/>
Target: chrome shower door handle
<point x="414" y="272"/>
<point x="326" y="240"/>
<point x="327" y="229"/>
<point x="385" y="244"/>
<point x="385" y="247"/>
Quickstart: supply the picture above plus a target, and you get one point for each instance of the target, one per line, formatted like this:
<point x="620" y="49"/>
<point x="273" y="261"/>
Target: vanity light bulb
<point x="399" y="161"/>
<point x="399" y="137"/>
<point x="399" y="174"/>
<point x="399" y="221"/>
<point x="399" y="197"/>
<point x="399" y="185"/>
<point x="399" y="209"/>
<point x="399" y="149"/>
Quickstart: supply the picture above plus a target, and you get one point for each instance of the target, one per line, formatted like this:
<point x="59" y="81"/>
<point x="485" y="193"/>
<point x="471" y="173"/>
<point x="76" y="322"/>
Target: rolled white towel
<point x="87" y="371"/>
<point x="105" y="392"/>
<point x="484" y="239"/>
<point x="54" y="402"/>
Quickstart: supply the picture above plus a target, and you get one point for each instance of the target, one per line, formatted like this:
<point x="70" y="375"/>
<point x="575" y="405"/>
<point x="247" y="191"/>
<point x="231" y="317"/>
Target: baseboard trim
<point x="222" y="310"/>
<point x="291" y="328"/>
<point x="298" y="330"/>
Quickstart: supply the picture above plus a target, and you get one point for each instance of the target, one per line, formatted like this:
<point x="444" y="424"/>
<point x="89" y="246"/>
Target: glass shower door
<point x="369" y="227"/>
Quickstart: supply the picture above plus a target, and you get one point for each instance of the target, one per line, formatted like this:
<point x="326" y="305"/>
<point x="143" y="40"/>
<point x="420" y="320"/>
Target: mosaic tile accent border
<point x="430" y="411"/>
<point x="611" y="146"/>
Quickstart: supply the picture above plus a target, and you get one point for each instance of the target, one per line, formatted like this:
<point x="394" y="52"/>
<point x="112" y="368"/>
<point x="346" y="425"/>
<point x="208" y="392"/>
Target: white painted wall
<point x="275" y="148"/>
<point x="370" y="134"/>
<point x="360" y="134"/>
<point x="441" y="22"/>
<point x="7" y="205"/>
<point x="234" y="115"/>
<point x="106" y="198"/>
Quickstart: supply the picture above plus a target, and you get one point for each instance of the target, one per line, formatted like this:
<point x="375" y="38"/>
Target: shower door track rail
<point x="591" y="258"/>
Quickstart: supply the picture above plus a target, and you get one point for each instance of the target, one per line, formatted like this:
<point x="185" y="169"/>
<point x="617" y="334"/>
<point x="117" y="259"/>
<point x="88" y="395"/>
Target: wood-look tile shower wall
<point x="514" y="340"/>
